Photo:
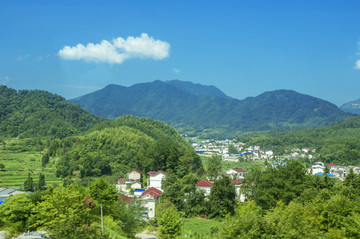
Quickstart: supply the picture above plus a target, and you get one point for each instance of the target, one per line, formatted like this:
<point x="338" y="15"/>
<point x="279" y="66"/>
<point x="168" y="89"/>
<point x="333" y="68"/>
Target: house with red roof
<point x="239" y="195"/>
<point x="238" y="173"/>
<point x="134" y="175"/>
<point x="148" y="199"/>
<point x="156" y="178"/>
<point x="205" y="186"/>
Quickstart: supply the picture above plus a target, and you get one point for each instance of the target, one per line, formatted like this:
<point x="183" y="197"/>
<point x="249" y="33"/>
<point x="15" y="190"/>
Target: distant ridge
<point x="352" y="107"/>
<point x="176" y="103"/>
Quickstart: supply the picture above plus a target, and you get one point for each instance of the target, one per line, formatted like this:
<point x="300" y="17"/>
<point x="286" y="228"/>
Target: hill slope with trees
<point x="30" y="113"/>
<point x="175" y="104"/>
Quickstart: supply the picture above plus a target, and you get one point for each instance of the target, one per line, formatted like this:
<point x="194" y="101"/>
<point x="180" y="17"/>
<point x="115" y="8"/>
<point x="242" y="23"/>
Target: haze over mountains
<point x="352" y="107"/>
<point x="189" y="106"/>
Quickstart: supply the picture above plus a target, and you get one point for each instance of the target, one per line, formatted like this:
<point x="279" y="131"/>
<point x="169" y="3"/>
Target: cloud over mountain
<point x="118" y="50"/>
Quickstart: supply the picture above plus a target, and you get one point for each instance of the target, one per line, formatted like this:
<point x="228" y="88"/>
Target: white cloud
<point x="357" y="64"/>
<point x="119" y="50"/>
<point x="4" y="80"/>
<point x="176" y="70"/>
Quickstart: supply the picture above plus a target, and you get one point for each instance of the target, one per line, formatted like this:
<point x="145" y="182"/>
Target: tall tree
<point x="29" y="184"/>
<point x="170" y="224"/>
<point x="41" y="184"/>
<point x="222" y="197"/>
<point x="214" y="166"/>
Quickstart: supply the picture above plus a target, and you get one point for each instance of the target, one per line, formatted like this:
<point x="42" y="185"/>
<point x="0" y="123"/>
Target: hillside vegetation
<point x="338" y="143"/>
<point x="195" y="109"/>
<point x="30" y="113"/>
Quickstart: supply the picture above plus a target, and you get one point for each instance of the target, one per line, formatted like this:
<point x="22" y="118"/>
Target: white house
<point x="205" y="186"/>
<point x="156" y="178"/>
<point x="134" y="175"/>
<point x="148" y="198"/>
<point x="239" y="173"/>
<point x="239" y="195"/>
<point x="135" y="185"/>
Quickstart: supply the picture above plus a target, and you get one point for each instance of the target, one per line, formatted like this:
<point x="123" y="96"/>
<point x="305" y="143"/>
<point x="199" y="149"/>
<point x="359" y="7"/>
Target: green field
<point x="18" y="163"/>
<point x="199" y="226"/>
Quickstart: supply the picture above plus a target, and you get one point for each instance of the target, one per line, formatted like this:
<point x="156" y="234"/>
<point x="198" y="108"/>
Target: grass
<point x="200" y="226"/>
<point x="18" y="163"/>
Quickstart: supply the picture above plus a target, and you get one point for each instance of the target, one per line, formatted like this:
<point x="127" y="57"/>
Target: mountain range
<point x="193" y="107"/>
<point x="352" y="107"/>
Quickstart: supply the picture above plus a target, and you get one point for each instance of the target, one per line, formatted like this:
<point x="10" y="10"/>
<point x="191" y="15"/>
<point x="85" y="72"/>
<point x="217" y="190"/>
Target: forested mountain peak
<point x="29" y="113"/>
<point x="191" y="107"/>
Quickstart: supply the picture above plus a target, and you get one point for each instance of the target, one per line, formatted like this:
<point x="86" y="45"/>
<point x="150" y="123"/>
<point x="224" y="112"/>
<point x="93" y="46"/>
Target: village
<point x="132" y="188"/>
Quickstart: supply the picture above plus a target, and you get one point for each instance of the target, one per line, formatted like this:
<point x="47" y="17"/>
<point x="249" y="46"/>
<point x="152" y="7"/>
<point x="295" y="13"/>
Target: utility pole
<point x="102" y="219"/>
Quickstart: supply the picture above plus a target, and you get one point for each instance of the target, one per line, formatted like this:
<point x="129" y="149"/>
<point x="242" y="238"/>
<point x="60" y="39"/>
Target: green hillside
<point x="209" y="111"/>
<point x="30" y="113"/>
<point x="338" y="143"/>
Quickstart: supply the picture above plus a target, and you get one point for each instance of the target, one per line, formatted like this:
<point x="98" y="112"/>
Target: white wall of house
<point x="148" y="202"/>
<point x="156" y="180"/>
<point x="136" y="185"/>
<point x="205" y="189"/>
<point x="134" y="176"/>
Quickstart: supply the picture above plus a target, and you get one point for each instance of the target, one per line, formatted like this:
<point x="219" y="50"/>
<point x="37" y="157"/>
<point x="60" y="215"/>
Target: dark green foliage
<point x="95" y="166"/>
<point x="222" y="197"/>
<point x="213" y="166"/>
<point x="170" y="224"/>
<point x="45" y="160"/>
<point x="33" y="113"/>
<point x="128" y="143"/>
<point x="192" y="112"/>
<point x="2" y="166"/>
<point x="283" y="183"/>
<point x="63" y="167"/>
<point x="29" y="184"/>
<point x="41" y="183"/>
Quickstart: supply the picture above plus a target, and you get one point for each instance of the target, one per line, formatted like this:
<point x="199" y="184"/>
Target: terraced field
<point x="19" y="162"/>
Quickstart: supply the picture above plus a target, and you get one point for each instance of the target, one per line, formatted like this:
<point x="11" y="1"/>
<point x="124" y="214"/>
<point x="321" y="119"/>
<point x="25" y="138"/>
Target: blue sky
<point x="242" y="47"/>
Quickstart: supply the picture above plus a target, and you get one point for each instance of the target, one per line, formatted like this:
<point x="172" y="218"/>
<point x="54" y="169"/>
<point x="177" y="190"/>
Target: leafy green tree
<point x="213" y="166"/>
<point x="247" y="222"/>
<point x="42" y="183"/>
<point x="29" y="184"/>
<point x="45" y="159"/>
<point x="169" y="224"/>
<point x="58" y="206"/>
<point x="2" y="166"/>
<point x="16" y="212"/>
<point x="232" y="149"/>
<point x="63" y="167"/>
<point x="104" y="193"/>
<point x="222" y="197"/>
<point x="284" y="183"/>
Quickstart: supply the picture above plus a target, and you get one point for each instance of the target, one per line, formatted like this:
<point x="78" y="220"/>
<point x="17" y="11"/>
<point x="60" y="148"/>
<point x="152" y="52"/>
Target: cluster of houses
<point x="130" y="188"/>
<point x="133" y="183"/>
<point x="252" y="153"/>
<point x="337" y="171"/>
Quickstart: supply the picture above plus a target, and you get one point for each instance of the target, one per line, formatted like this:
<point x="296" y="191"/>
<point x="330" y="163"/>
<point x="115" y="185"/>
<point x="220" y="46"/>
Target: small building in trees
<point x="239" y="195"/>
<point x="238" y="173"/>
<point x="134" y="175"/>
<point x="205" y="186"/>
<point x="156" y="178"/>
